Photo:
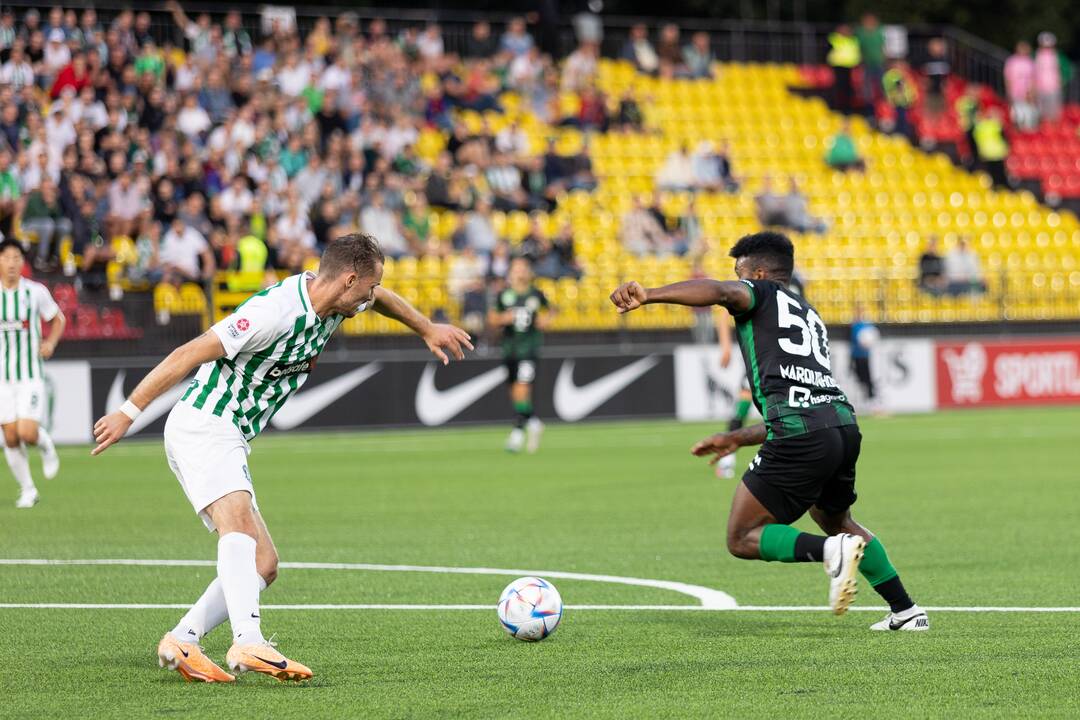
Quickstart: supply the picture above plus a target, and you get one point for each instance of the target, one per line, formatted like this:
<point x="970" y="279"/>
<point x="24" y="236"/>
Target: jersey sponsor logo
<point x="242" y="324"/>
<point x="14" y="325"/>
<point x="801" y="397"/>
<point x="304" y="405"/>
<point x="284" y="370"/>
<point x="574" y="402"/>
<point x="807" y="376"/>
<point x="435" y="407"/>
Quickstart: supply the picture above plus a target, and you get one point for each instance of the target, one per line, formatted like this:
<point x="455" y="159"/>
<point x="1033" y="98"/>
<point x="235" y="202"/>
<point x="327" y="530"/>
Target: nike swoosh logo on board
<point x="574" y="402"/>
<point x="161" y="405"/>
<point x="435" y="407"/>
<point x="306" y="403"/>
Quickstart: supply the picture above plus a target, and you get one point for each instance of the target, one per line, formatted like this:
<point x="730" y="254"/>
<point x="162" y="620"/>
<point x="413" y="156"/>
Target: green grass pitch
<point x="977" y="509"/>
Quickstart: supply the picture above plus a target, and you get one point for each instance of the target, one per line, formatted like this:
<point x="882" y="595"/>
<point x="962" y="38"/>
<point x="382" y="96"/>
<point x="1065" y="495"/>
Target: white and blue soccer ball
<point x="530" y="609"/>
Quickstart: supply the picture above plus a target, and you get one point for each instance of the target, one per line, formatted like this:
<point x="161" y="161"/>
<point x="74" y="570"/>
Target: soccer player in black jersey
<point x="522" y="312"/>
<point x="809" y="441"/>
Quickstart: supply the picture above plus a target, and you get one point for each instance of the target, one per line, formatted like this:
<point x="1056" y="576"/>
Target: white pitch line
<point x="635" y="608"/>
<point x="708" y="597"/>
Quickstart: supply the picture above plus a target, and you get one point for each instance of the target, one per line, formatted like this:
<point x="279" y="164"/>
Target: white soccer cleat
<point x="27" y="499"/>
<point x="50" y="463"/>
<point x="843" y="553"/>
<point x="534" y="430"/>
<point x="911" y="620"/>
<point x="725" y="467"/>
<point x="516" y="441"/>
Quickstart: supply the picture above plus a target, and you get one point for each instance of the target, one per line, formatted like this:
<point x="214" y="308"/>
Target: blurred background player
<point x="24" y="304"/>
<point x="864" y="336"/>
<point x="523" y="313"/>
<point x="725" y="467"/>
<point x="810" y="440"/>
<point x="249" y="365"/>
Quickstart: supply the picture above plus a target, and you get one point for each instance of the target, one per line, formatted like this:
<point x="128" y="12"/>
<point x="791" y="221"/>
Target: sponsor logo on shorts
<point x="247" y="473"/>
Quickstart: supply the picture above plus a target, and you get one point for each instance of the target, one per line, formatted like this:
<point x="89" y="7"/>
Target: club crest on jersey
<point x="289" y="369"/>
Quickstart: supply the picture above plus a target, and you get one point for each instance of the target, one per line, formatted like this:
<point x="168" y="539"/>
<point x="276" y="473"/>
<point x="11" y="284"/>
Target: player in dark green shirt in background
<point x="523" y="313"/>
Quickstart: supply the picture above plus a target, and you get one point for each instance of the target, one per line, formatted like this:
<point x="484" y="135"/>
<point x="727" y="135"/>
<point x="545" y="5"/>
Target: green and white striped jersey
<point x="21" y="311"/>
<point x="271" y="341"/>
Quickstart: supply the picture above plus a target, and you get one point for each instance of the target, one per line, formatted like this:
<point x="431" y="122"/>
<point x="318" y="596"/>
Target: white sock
<point x="240" y="585"/>
<point x="19" y="463"/>
<point x="207" y="613"/>
<point x="45" y="441"/>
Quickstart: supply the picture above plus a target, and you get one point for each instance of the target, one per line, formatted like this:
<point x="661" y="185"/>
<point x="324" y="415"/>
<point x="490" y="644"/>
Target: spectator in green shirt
<point x="150" y="61"/>
<point x="872" y="49"/>
<point x="9" y="193"/>
<point x="842" y="153"/>
<point x="44" y="218"/>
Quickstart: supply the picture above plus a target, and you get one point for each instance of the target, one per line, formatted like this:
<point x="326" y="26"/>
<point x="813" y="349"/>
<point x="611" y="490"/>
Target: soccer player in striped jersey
<point x="23" y="305"/>
<point x="249" y="364"/>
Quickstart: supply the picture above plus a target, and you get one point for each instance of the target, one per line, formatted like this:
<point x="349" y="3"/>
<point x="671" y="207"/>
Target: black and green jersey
<point x="786" y="351"/>
<point x="522" y="338"/>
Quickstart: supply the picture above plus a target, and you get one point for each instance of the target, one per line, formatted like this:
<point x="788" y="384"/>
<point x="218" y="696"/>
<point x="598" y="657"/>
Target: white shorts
<point x="208" y="454"/>
<point x="22" y="400"/>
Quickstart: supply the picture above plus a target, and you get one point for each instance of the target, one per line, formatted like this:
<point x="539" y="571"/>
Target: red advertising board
<point x="1008" y="372"/>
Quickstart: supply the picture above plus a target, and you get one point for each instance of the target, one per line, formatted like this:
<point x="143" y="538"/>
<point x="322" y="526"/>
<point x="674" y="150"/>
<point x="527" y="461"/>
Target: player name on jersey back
<point x="785" y="347"/>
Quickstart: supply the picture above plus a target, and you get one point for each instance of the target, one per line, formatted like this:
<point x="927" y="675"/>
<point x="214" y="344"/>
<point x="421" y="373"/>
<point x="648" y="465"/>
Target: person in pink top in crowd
<point x="1020" y="86"/>
<point x="1048" y="78"/>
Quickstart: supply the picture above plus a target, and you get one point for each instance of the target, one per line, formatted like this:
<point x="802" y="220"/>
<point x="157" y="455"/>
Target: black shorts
<point x="520" y="370"/>
<point x="790" y="475"/>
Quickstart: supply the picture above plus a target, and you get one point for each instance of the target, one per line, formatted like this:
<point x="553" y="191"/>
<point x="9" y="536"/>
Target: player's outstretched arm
<point x="56" y="331"/>
<point x="174" y="368"/>
<point x="438" y="337"/>
<point x="722" y="444"/>
<point x="733" y="295"/>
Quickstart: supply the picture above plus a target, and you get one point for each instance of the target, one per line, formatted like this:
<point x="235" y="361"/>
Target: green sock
<point x="523" y="407"/>
<point x="778" y="543"/>
<point x="875" y="565"/>
<point x="742" y="409"/>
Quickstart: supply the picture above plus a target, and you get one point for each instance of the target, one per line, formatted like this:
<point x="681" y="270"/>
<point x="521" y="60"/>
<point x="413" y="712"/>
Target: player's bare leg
<point x="19" y="462"/>
<point x="725" y="467"/>
<point x="31" y="433"/>
<point x="240" y="529"/>
<point x="753" y="533"/>
<point x="879" y="572"/>
<point x="527" y="427"/>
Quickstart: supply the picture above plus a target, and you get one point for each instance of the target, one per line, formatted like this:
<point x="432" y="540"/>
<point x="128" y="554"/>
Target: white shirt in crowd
<point x="383" y="224"/>
<point x="17" y="75"/>
<point x="232" y="202"/>
<point x="192" y="121"/>
<point x="291" y="229"/>
<point x="292" y="81"/>
<point x="182" y="250"/>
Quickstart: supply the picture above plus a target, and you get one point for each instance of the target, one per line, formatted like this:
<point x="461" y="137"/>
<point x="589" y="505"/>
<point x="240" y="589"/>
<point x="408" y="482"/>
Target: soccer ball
<point x="530" y="609"/>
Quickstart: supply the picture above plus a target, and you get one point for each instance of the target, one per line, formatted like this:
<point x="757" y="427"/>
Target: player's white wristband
<point x="129" y="408"/>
